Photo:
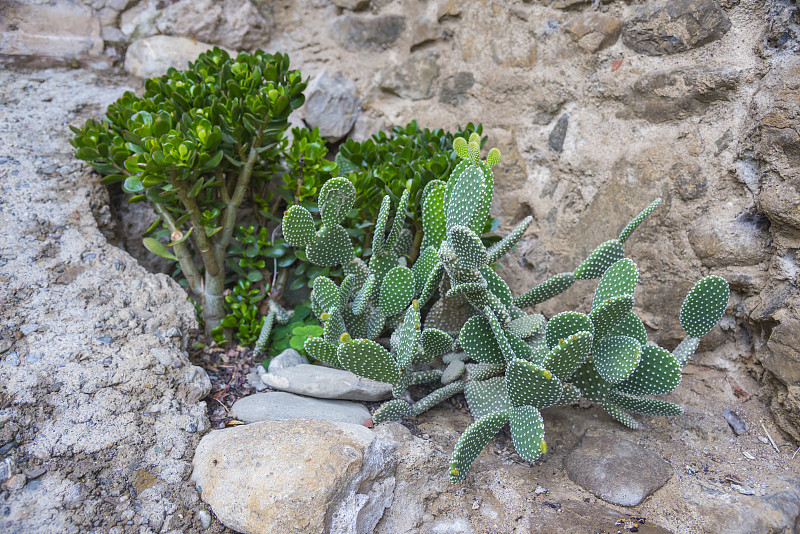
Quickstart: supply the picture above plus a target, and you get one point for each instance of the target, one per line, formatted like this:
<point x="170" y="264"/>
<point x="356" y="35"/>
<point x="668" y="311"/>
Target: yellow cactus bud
<point x="454" y="471"/>
<point x="474" y="153"/>
<point x="345" y="338"/>
<point x="543" y="446"/>
<point x="415" y="303"/>
<point x="460" y="146"/>
<point x="325" y="316"/>
<point x="493" y="158"/>
<point x="547" y="374"/>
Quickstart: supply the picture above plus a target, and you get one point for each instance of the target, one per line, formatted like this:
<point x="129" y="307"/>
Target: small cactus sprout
<point x="514" y="364"/>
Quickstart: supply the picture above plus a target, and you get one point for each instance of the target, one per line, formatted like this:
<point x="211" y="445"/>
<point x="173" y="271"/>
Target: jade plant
<point x="197" y="145"/>
<point x="514" y="363"/>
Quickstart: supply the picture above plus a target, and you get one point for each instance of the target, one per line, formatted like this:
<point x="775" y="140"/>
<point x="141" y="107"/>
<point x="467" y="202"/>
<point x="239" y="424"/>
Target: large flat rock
<point x="327" y="383"/>
<point x="278" y="405"/>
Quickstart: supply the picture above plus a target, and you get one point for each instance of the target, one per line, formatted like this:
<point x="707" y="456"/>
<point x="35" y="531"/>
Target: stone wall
<point x="598" y="108"/>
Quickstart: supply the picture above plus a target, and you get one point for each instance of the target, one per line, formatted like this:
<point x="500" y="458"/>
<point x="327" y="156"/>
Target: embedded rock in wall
<point x="595" y="31"/>
<point x="454" y="89"/>
<point x="377" y="33"/>
<point x="331" y="105"/>
<point x="150" y="57"/>
<point x="673" y="26"/>
<point x="413" y="78"/>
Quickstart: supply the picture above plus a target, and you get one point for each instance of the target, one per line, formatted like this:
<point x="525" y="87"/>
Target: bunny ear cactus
<point x="515" y="364"/>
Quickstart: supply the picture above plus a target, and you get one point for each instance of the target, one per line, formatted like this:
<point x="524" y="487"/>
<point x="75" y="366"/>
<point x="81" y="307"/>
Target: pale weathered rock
<point x="49" y="33"/>
<point x="740" y="242"/>
<point x="352" y="5"/>
<point x="616" y="470"/>
<point x="413" y="78"/>
<point x="277" y="405"/>
<point x="153" y="56"/>
<point x="595" y="31"/>
<point x="369" y="33"/>
<point x="331" y="105"/>
<point x="327" y="383"/>
<point x="296" y="476"/>
<point x="454" y="88"/>
<point x="196" y="385"/>
<point x="287" y="358"/>
<point x="783" y="359"/>
<point x="423" y="31"/>
<point x="669" y="27"/>
<point x="680" y="93"/>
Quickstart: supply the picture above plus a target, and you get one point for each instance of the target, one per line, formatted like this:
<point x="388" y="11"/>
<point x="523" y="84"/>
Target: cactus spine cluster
<point x="514" y="363"/>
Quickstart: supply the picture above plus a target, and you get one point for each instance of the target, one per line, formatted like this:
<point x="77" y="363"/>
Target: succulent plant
<point x="514" y="363"/>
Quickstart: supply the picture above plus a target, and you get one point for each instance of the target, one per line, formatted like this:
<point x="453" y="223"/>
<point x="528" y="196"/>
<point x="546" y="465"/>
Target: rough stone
<point x="690" y="180"/>
<point x="413" y="78"/>
<point x="352" y="5"/>
<point x="423" y="31"/>
<point x="783" y="358"/>
<point x="296" y="476"/>
<point x="277" y="405"/>
<point x="454" y="89"/>
<point x="331" y="105"/>
<point x="740" y="242"/>
<point x="287" y="358"/>
<point x="595" y="31"/>
<point x="196" y="385"/>
<point x="680" y="93"/>
<point x="669" y="27"/>
<point x="327" y="383"/>
<point x="617" y="470"/>
<point x="559" y="133"/>
<point x="735" y="421"/>
<point x="48" y="33"/>
<point x="377" y="33"/>
<point x="152" y="56"/>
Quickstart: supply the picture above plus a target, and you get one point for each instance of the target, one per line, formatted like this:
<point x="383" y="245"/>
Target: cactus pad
<point x="392" y="410"/>
<point x="379" y="237"/>
<point x="363" y="295"/>
<point x="502" y="247"/>
<point x="527" y="325"/>
<point x="468" y="247"/>
<point x="630" y="326"/>
<point x="397" y="290"/>
<point x="335" y="199"/>
<point x="478" y="340"/>
<point x="397" y="224"/>
<point x="484" y="371"/>
<point x="704" y="305"/>
<point x="472" y="442"/>
<point x="570" y="395"/>
<point x="375" y="324"/>
<point x="320" y="350"/>
<point x="433" y="215"/>
<point x="486" y="396"/>
<point x="616" y="357"/>
<point x="333" y="327"/>
<point x="643" y="405"/>
<point x="685" y="350"/>
<point x="619" y="279"/>
<point x="591" y="384"/>
<point x="620" y="415"/>
<point x="499" y="334"/>
<point x="657" y="373"/>
<point x="610" y="313"/>
<point x="469" y="186"/>
<point x="496" y="285"/>
<point x="628" y="230"/>
<point x="368" y="359"/>
<point x="565" y="358"/>
<point x="440" y="395"/>
<point x="564" y="324"/>
<point x="332" y="246"/>
<point x="298" y="226"/>
<point x="546" y="290"/>
<point x="493" y="158"/>
<point x="528" y="384"/>
<point x="460" y="147"/>
<point x="435" y="342"/>
<point x="527" y="432"/>
<point x="599" y="260"/>
<point x="325" y="293"/>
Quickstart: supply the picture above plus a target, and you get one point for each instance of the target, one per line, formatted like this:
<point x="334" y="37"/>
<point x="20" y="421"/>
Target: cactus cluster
<point x="514" y="363"/>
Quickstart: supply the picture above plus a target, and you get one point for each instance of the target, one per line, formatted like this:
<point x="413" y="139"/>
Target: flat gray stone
<point x="278" y="405"/>
<point x="616" y="470"/>
<point x="355" y="32"/>
<point x="327" y="383"/>
<point x="152" y="56"/>
<point x="331" y="105"/>
<point x="287" y="358"/>
<point x="412" y="79"/>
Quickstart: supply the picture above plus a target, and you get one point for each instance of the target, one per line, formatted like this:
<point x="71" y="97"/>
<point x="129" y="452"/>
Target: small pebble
<point x="35" y="473"/>
<point x="17" y="482"/>
<point x="539" y="490"/>
<point x="174" y="332"/>
<point x="12" y="359"/>
<point x="105" y="339"/>
<point x="205" y="518"/>
<point x="28" y="328"/>
<point x="176" y="363"/>
<point x="763" y="440"/>
<point x="744" y="490"/>
<point x="735" y="421"/>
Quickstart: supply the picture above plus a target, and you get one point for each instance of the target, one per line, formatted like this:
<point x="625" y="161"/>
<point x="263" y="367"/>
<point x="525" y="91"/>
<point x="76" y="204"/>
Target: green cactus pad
<point x="392" y="410"/>
<point x="570" y="395"/>
<point x="346" y="290"/>
<point x="685" y="350"/>
<point x="298" y="226"/>
<point x="631" y="326"/>
<point x="399" y="219"/>
<point x="397" y="290"/>
<point x="704" y="305"/>
<point x="616" y="357"/>
<point x="433" y="215"/>
<point x="375" y="324"/>
<point x="497" y="285"/>
<point x="643" y="405"/>
<point x="409" y="338"/>
<point x="479" y="217"/>
<point x="449" y="314"/>
<point x="356" y="324"/>
<point x="325" y="293"/>
<point x="435" y="342"/>
<point x="472" y="442"/>
<point x="499" y="334"/>
<point x="381" y="264"/>
<point x="346" y="167"/>
<point x="539" y="350"/>
<point x="487" y="396"/>
<point x="619" y="279"/>
<point x="591" y="384"/>
<point x="379" y="237"/>
<point x="527" y="432"/>
<point x="358" y="269"/>
<point x="502" y="247"/>
<point x="565" y="358"/>
<point x="334" y="327"/>
<point x="424" y="377"/>
<point x="657" y="373"/>
<point x="368" y="359"/>
<point x="335" y="199"/>
<point x="610" y="313"/>
<point x="628" y="230"/>
<point x="526" y="326"/>
<point x="404" y="242"/>
<point x="620" y="415"/>
<point x="478" y="340"/>
<point x="320" y="350"/>
<point x="546" y="290"/>
<point x="434" y="278"/>
<point x="451" y="182"/>
<point x="469" y="186"/>
<point x="528" y="384"/>
<point x="599" y="260"/>
<point x="493" y="158"/>
<point x="362" y="297"/>
<point x="331" y="247"/>
<point x="564" y="324"/>
<point x="468" y="247"/>
<point x="484" y="371"/>
<point x="520" y="349"/>
<point x="425" y="264"/>
<point x="440" y="395"/>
